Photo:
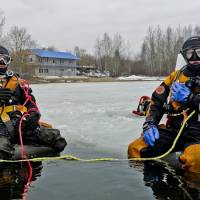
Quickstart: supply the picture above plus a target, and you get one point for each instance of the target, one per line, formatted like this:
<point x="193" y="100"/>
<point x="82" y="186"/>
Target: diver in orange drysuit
<point x="178" y="96"/>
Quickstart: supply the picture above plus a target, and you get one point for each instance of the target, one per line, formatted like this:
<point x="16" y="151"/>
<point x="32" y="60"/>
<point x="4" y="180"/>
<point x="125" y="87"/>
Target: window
<point x="46" y="70"/>
<point x="43" y="71"/>
<point x="31" y="59"/>
<point x="45" y="59"/>
<point x="62" y="70"/>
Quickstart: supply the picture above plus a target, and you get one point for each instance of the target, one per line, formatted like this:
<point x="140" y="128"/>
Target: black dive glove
<point x="31" y="121"/>
<point x="6" y="95"/>
<point x="15" y="118"/>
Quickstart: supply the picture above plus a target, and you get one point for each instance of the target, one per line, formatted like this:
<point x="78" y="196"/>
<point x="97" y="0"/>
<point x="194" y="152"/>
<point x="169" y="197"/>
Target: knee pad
<point x="52" y="138"/>
<point x="135" y="148"/>
<point x="190" y="158"/>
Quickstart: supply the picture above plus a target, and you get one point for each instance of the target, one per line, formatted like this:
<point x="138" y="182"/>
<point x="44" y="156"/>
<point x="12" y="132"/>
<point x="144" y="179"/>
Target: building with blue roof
<point x="53" y="63"/>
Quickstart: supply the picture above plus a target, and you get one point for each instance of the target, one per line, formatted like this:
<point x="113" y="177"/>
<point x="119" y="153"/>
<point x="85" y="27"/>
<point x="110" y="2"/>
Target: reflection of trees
<point x="14" y="176"/>
<point x="167" y="183"/>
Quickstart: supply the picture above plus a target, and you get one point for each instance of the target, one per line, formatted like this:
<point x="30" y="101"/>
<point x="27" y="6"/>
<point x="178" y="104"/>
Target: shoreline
<point x="40" y="80"/>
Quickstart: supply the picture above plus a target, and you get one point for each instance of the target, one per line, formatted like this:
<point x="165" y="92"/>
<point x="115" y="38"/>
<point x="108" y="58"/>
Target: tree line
<point x="157" y="56"/>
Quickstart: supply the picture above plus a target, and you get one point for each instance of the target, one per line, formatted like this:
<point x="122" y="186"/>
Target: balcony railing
<point x="55" y="64"/>
<point x="58" y="64"/>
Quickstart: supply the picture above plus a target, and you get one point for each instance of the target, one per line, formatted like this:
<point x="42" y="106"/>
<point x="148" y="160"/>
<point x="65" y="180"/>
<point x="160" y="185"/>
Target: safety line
<point x="74" y="158"/>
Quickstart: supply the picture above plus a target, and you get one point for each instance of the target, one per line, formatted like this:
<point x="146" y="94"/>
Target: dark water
<point x="96" y="120"/>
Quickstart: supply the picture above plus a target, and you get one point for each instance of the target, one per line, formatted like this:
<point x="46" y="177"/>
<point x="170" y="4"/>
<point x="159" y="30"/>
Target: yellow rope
<point x="71" y="157"/>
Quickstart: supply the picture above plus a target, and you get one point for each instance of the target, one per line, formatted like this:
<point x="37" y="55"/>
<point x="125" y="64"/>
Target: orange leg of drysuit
<point x="135" y="147"/>
<point x="190" y="158"/>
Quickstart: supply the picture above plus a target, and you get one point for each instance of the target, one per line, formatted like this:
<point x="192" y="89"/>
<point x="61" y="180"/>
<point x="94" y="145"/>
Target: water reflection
<point x="14" y="176"/>
<point x="168" y="183"/>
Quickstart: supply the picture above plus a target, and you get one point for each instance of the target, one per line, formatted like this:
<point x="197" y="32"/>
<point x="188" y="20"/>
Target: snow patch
<point x="141" y="78"/>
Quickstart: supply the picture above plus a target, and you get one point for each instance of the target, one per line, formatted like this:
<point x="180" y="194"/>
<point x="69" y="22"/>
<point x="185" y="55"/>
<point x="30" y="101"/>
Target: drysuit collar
<point x="190" y="72"/>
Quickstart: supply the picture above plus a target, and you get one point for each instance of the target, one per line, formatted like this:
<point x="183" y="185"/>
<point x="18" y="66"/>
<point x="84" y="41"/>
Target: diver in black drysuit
<point x="16" y="99"/>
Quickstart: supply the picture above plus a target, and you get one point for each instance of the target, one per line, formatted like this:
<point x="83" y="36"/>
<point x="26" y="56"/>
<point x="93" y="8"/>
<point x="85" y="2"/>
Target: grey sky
<point x="65" y="23"/>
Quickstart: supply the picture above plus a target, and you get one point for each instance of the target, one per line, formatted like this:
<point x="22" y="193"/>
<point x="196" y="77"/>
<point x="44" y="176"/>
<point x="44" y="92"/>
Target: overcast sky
<point x="67" y="23"/>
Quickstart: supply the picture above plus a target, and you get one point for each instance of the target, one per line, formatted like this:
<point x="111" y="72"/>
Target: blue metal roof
<point x="54" y="54"/>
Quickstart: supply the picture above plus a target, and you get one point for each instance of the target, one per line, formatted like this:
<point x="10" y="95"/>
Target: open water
<point x="96" y="120"/>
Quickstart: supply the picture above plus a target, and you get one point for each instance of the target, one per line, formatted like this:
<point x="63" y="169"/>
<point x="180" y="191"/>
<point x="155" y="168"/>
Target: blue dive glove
<point x="180" y="92"/>
<point x="151" y="133"/>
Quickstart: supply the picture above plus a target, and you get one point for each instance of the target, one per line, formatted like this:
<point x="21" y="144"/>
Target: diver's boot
<point x="59" y="144"/>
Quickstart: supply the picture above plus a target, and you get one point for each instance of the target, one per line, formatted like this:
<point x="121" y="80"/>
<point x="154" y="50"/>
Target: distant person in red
<point x="143" y="106"/>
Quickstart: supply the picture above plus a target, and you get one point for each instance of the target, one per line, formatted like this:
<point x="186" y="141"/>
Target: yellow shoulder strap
<point x="173" y="76"/>
<point x="170" y="79"/>
<point x="12" y="83"/>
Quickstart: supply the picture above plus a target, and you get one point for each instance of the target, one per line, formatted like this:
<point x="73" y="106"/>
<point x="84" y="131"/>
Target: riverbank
<point x="80" y="79"/>
<point x="74" y="79"/>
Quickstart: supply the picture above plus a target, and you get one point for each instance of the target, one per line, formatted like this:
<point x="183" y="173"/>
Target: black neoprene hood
<point x="3" y="50"/>
<point x="191" y="42"/>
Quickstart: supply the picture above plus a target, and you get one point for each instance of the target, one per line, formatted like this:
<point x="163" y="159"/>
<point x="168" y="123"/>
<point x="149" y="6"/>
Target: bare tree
<point x="197" y="30"/>
<point x="103" y="52"/>
<point x="113" y="54"/>
<point x="118" y="47"/>
<point x="19" y="39"/>
<point x="99" y="53"/>
<point x="107" y="51"/>
<point x="19" y="42"/>
<point x="150" y="49"/>
<point x="127" y="58"/>
<point x="2" y="22"/>
<point x="85" y="58"/>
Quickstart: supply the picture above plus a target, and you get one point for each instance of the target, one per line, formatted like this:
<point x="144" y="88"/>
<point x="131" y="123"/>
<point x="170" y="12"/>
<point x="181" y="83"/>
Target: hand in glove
<point x="32" y="120"/>
<point x="180" y="92"/>
<point x="15" y="118"/>
<point x="151" y="133"/>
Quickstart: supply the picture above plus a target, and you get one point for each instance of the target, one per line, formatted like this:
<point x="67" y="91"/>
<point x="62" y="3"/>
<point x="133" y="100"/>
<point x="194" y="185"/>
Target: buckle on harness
<point x="168" y="108"/>
<point x="7" y="109"/>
